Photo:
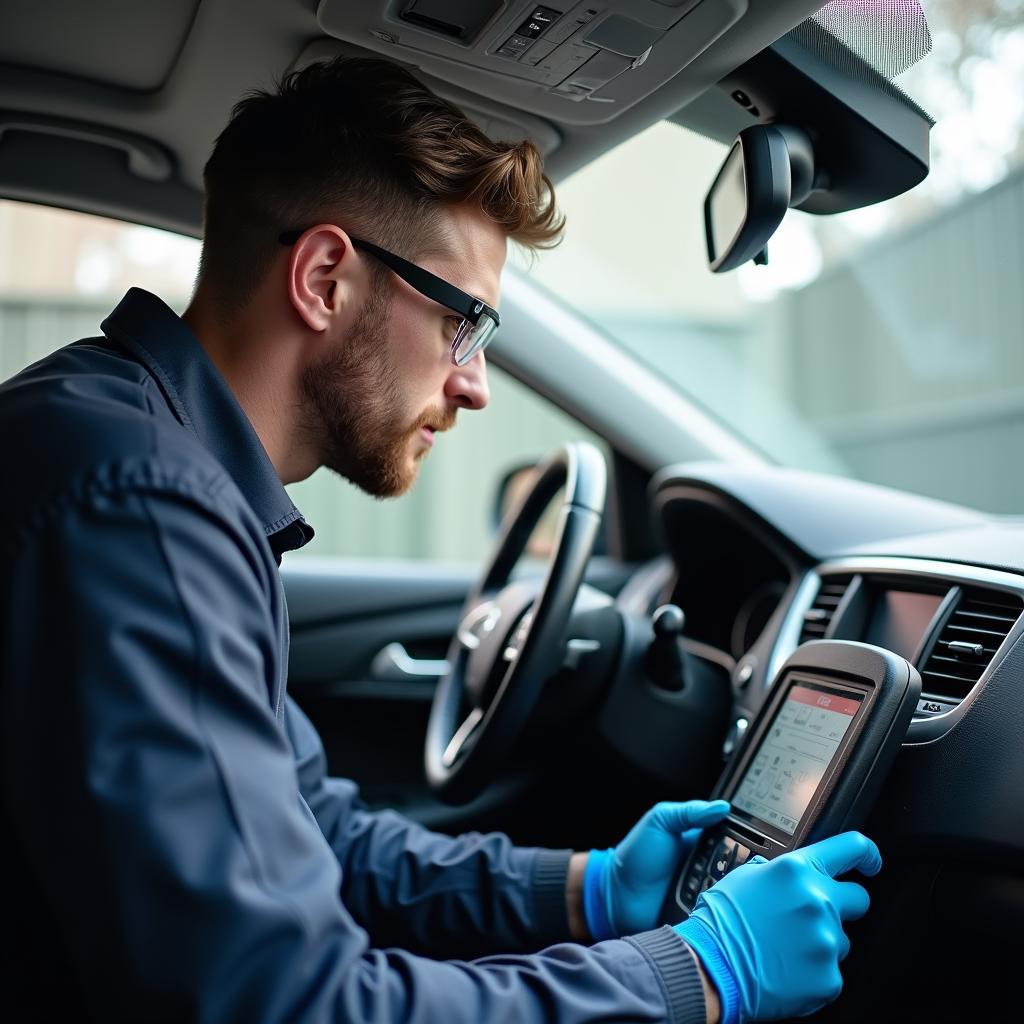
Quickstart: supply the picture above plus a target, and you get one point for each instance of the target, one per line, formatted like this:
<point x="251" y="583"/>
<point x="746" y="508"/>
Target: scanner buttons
<point x="728" y="855"/>
<point x="712" y="863"/>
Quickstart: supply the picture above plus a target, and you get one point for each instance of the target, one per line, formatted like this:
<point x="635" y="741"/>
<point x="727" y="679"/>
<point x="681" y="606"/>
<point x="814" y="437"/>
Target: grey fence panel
<point x="32" y="327"/>
<point x="909" y="361"/>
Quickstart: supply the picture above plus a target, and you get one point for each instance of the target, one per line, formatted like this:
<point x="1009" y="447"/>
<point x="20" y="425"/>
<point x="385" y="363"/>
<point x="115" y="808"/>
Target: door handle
<point x="394" y="663"/>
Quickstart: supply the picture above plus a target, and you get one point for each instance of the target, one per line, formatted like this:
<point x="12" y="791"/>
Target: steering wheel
<point x="511" y="635"/>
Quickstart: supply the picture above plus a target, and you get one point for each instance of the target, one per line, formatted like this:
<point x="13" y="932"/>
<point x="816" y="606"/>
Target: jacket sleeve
<point x="156" y="798"/>
<point x="424" y="891"/>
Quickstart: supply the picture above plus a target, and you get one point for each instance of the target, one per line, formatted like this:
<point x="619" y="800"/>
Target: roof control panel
<point x="611" y="52"/>
<point x="552" y="46"/>
<point x="522" y="40"/>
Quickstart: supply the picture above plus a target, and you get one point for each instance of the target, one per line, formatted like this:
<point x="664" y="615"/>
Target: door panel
<point x="370" y="712"/>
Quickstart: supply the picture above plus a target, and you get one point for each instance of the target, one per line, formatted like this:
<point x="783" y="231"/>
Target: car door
<point x="375" y="598"/>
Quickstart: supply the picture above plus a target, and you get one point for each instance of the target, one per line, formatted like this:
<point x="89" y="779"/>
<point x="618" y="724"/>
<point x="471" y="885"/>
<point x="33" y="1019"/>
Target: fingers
<point x="849" y="851"/>
<point x="850" y="900"/>
<point x="690" y="837"/>
<point x="679" y="817"/>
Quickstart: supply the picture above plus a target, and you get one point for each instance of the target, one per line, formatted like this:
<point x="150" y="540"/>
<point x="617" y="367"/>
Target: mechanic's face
<point x="382" y="393"/>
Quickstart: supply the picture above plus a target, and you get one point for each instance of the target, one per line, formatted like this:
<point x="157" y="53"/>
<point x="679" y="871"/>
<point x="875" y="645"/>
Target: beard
<point x="353" y="402"/>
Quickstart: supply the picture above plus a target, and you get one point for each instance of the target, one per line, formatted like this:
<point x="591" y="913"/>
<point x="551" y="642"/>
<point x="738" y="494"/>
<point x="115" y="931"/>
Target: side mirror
<point x="511" y="488"/>
<point x="769" y="168"/>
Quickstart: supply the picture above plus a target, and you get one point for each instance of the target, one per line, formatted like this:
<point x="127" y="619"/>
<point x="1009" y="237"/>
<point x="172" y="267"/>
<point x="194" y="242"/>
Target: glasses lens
<point x="472" y="338"/>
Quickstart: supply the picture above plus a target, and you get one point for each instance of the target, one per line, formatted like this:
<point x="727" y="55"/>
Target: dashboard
<point x="763" y="560"/>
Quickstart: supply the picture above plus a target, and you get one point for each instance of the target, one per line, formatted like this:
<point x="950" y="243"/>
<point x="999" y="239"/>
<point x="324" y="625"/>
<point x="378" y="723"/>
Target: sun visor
<point x="576" y="63"/>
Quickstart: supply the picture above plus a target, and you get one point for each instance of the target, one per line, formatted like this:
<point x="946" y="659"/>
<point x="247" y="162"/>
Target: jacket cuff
<point x="551" y="915"/>
<point x="675" y="965"/>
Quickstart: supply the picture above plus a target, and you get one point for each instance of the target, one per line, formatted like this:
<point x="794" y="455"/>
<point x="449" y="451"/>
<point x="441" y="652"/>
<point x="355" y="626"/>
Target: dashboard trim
<point x="920" y="731"/>
<point x="774" y="541"/>
<point x="788" y="638"/>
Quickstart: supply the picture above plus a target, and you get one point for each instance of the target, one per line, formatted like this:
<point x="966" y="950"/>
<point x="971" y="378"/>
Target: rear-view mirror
<point x="768" y="169"/>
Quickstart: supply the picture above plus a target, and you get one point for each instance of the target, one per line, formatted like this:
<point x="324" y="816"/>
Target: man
<point x="183" y="854"/>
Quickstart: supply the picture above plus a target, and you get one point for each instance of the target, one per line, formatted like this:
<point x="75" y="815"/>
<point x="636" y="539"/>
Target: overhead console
<point x="581" y="63"/>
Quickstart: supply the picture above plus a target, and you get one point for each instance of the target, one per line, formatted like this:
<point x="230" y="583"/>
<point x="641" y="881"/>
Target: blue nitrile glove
<point x="769" y="934"/>
<point x="624" y="887"/>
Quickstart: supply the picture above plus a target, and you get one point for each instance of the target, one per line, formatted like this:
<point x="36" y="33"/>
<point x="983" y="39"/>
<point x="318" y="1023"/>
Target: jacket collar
<point x="202" y="401"/>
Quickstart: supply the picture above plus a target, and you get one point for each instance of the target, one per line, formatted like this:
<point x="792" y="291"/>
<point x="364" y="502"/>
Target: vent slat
<point x="955" y="672"/>
<point x="987" y="616"/>
<point x="819" y="616"/>
<point x="948" y="675"/>
<point x="1007" y="603"/>
<point x="952" y="661"/>
<point x="981" y="617"/>
<point x="974" y="629"/>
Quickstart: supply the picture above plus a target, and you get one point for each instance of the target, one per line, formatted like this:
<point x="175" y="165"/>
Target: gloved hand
<point x="624" y="887"/>
<point x="769" y="934"/>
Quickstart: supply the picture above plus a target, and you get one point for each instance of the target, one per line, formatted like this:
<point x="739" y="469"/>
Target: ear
<point x="322" y="277"/>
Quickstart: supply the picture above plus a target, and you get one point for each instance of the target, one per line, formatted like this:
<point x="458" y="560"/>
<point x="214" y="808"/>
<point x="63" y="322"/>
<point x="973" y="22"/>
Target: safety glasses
<point x="479" y="321"/>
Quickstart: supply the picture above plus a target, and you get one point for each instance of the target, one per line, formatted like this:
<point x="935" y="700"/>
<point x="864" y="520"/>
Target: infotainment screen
<point x="795" y="753"/>
<point x="900" y="619"/>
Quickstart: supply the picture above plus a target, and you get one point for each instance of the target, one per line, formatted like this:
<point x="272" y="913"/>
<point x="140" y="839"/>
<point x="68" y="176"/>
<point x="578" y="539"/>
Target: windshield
<point x="883" y="344"/>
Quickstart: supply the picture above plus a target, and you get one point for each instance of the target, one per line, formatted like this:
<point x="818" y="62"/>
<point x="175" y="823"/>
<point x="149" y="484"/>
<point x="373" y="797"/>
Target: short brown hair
<point x="361" y="141"/>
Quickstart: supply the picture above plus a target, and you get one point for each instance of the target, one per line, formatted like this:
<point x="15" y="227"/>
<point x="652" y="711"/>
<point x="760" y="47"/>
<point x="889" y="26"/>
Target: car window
<point x="450" y="511"/>
<point x="883" y="343"/>
<point x="62" y="272"/>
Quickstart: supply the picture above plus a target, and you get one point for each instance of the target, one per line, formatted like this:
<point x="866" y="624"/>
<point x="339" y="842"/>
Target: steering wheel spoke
<point x="518" y="638"/>
<point x="462" y="740"/>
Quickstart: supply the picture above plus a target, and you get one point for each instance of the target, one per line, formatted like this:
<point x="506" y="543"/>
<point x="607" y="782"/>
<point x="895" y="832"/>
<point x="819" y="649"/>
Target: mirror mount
<point x="804" y="178"/>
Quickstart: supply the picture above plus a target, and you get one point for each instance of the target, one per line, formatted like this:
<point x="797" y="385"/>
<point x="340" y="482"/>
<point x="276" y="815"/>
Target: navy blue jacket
<point x="181" y="851"/>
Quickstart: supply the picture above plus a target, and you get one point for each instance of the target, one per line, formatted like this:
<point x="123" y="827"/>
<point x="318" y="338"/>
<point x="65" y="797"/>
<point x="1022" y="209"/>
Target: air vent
<point x="819" y="615"/>
<point x="968" y="641"/>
